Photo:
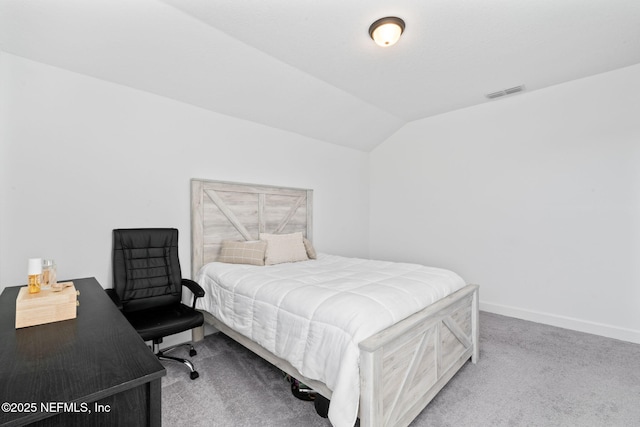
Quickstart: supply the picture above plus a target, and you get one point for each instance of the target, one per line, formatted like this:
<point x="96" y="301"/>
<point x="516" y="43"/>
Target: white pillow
<point x="311" y="252"/>
<point x="284" y="248"/>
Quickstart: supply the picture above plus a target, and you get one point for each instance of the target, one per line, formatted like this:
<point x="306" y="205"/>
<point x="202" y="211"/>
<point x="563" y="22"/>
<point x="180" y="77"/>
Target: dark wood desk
<point x="93" y="370"/>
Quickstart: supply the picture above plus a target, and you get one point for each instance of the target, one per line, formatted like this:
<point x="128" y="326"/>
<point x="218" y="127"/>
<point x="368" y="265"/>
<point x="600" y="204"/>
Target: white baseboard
<point x="589" y="327"/>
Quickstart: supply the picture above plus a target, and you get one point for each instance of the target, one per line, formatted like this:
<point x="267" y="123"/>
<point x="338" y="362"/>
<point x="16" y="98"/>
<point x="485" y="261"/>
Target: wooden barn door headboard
<point x="233" y="211"/>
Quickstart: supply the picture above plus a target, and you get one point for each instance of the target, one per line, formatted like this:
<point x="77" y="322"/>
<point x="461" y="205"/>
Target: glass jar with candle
<point x="34" y="273"/>
<point x="48" y="273"/>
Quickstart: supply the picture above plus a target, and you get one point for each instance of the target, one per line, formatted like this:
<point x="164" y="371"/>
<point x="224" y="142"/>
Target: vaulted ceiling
<point x="309" y="66"/>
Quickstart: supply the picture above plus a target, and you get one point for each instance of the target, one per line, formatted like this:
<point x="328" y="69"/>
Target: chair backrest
<point x="146" y="268"/>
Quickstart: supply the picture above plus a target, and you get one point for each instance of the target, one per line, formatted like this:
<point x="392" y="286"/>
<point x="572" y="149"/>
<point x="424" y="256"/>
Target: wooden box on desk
<point x="46" y="306"/>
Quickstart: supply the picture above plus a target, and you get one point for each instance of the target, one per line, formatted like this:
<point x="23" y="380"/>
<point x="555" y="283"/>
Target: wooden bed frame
<point x="402" y="367"/>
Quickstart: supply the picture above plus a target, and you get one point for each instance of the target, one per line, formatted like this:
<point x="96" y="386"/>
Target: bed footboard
<point x="404" y="366"/>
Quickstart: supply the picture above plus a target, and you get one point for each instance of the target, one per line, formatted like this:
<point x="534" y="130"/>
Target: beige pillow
<point x="311" y="252"/>
<point x="284" y="248"/>
<point x="251" y="252"/>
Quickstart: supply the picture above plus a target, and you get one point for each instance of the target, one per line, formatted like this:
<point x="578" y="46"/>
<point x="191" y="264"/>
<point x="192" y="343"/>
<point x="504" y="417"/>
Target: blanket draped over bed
<point x="314" y="313"/>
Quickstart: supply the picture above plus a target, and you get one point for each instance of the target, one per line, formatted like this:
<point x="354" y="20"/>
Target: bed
<point x="401" y="367"/>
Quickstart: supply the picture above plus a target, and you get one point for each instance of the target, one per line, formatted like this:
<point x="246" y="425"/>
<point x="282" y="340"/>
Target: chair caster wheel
<point x="192" y="352"/>
<point x="194" y="375"/>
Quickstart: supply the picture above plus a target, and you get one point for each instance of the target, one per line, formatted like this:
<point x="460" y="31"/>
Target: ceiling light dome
<point x="386" y="31"/>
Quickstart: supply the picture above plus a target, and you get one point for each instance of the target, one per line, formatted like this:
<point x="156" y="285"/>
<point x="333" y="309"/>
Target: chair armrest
<point x="114" y="297"/>
<point x="195" y="289"/>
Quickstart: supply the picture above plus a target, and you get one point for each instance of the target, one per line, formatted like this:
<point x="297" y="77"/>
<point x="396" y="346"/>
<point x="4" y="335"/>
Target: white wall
<point x="535" y="197"/>
<point x="81" y="156"/>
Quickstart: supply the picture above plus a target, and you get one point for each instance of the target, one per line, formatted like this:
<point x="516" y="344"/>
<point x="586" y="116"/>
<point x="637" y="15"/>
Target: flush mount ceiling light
<point x="386" y="31"/>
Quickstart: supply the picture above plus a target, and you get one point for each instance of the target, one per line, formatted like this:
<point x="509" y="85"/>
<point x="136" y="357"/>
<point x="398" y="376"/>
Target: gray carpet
<point x="528" y="375"/>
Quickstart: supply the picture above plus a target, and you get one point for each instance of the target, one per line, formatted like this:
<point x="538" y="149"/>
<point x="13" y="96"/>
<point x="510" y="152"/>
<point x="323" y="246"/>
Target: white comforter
<point x="314" y="313"/>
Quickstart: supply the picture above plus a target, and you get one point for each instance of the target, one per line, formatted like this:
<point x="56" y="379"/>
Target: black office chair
<point x="148" y="287"/>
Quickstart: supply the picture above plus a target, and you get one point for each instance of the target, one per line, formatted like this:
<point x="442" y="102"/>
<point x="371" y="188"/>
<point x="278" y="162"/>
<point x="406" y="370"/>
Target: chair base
<point x="161" y="355"/>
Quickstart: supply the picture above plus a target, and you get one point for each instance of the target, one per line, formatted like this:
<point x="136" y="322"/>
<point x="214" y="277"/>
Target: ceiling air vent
<point x="496" y="94"/>
<point x="504" y="92"/>
<point x="514" y="89"/>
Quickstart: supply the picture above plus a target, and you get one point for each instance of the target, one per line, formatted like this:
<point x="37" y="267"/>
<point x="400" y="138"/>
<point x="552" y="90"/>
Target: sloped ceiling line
<point x="310" y="68"/>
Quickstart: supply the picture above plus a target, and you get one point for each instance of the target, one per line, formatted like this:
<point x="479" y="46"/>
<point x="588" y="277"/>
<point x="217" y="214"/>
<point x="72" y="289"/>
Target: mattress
<point x="314" y="313"/>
